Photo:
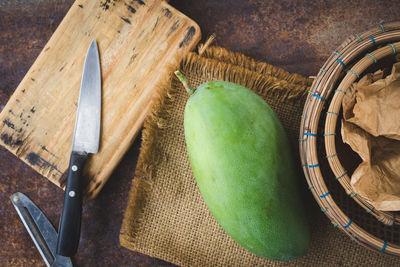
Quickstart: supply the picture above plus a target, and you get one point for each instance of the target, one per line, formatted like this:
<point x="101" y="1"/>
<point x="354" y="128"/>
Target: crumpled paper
<point x="371" y="126"/>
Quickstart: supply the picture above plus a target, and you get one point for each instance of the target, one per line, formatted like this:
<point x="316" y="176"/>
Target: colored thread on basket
<point x="384" y="246"/>
<point x="353" y="195"/>
<point x="324" y="70"/>
<point x="302" y="140"/>
<point x="340" y="90"/>
<point x="337" y="178"/>
<point x="373" y="57"/>
<point x="336" y="53"/>
<point x="313" y="166"/>
<point x="324" y="210"/>
<point x="331" y="156"/>
<point x="348" y="224"/>
<point x="303" y="116"/>
<point x="359" y="38"/>
<point x="332" y="112"/>
<point x="311" y="187"/>
<point x="372" y="40"/>
<point x="310" y="134"/>
<point x="394" y="49"/>
<point x="320" y="97"/>
<point x="371" y="209"/>
<point x="335" y="225"/>
<point x="329" y="134"/>
<point x="317" y="96"/>
<point x="304" y="164"/>
<point x="355" y="73"/>
<point x="324" y="195"/>
<point x="383" y="29"/>
<point x="341" y="63"/>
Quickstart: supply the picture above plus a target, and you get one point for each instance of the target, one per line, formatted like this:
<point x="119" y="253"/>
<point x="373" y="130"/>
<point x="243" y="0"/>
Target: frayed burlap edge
<point x="241" y="60"/>
<point x="211" y="65"/>
<point x="267" y="86"/>
<point x="148" y="157"/>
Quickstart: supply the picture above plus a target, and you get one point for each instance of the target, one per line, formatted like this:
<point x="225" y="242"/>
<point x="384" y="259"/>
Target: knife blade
<point x="86" y="140"/>
<point x="42" y="232"/>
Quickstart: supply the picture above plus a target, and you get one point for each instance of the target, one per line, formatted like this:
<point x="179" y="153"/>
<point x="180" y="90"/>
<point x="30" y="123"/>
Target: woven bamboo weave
<point x="318" y="140"/>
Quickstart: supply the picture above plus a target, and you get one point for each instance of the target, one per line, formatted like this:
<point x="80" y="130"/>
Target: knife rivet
<point x="71" y="193"/>
<point x="74" y="168"/>
<point x="16" y="198"/>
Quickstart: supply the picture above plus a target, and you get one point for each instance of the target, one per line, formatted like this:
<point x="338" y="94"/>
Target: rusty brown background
<point x="296" y="35"/>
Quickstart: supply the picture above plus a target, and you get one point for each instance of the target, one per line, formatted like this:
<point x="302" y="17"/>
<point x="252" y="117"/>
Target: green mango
<point x="240" y="157"/>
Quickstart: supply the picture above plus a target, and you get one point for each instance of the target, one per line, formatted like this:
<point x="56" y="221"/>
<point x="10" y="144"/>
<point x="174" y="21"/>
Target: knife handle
<point x="70" y="223"/>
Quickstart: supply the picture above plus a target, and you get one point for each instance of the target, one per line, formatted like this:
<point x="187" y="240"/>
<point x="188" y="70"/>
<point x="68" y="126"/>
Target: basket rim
<point x="320" y="90"/>
<point x="388" y="218"/>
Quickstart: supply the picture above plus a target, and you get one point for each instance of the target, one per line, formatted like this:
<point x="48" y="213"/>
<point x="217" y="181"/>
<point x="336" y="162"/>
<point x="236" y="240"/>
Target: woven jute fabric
<point x="166" y="216"/>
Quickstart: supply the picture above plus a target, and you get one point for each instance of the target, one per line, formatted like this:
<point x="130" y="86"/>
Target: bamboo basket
<point x="320" y="145"/>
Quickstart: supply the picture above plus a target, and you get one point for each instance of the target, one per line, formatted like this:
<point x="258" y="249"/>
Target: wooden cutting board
<point x="140" y="43"/>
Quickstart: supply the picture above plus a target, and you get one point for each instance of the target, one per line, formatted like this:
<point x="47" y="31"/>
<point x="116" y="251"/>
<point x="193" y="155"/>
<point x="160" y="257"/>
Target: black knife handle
<point x="70" y="223"/>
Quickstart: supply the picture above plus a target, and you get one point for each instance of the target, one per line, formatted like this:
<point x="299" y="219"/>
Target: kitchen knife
<point x="85" y="140"/>
<point x="42" y="232"/>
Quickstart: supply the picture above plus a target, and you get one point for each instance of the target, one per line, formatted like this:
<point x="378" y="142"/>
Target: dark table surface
<point x="296" y="35"/>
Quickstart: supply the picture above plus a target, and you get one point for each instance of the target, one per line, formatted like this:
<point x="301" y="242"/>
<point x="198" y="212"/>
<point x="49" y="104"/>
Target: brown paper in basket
<point x="371" y="126"/>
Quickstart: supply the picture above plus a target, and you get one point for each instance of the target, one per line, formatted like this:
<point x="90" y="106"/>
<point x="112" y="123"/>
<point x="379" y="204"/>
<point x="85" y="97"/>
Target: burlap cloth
<point x="166" y="216"/>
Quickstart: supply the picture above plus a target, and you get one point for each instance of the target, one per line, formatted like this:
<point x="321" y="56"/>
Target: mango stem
<point x="184" y="82"/>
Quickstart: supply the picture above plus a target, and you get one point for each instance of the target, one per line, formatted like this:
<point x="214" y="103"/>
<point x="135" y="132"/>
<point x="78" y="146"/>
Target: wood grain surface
<point x="139" y="42"/>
